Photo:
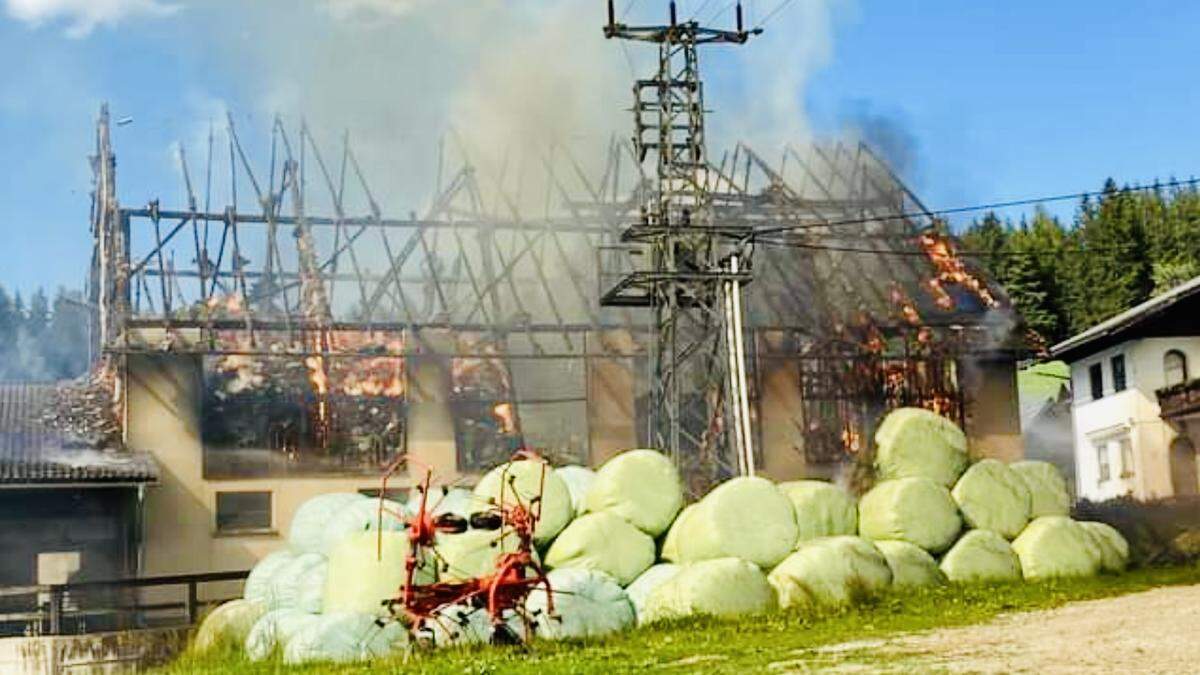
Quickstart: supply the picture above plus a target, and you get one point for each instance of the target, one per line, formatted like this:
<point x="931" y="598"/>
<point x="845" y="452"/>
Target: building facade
<point x="1126" y="441"/>
<point x="71" y="509"/>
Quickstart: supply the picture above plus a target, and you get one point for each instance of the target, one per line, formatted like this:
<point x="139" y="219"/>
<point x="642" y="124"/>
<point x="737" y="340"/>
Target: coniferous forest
<point x="1119" y="250"/>
<point x="42" y="339"/>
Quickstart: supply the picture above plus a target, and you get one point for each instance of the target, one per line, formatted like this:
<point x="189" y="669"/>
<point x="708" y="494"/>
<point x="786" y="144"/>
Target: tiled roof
<point x="33" y="453"/>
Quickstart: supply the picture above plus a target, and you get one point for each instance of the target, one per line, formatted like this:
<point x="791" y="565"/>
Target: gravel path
<point x="1156" y="631"/>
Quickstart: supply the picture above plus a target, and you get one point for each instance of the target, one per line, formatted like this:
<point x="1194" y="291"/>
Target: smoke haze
<point x="504" y="82"/>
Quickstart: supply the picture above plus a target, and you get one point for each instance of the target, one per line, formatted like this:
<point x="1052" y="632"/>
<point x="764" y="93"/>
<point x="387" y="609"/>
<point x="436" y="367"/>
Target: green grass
<point x="746" y="644"/>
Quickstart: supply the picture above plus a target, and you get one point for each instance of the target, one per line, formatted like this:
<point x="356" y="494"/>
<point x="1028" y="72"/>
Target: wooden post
<point x="56" y="609"/>
<point x="191" y="604"/>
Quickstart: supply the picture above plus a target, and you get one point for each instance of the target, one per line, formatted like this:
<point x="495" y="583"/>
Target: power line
<point x="704" y="5"/>
<point x="923" y="254"/>
<point x="721" y="10"/>
<point x="770" y="15"/>
<point x="1028" y="201"/>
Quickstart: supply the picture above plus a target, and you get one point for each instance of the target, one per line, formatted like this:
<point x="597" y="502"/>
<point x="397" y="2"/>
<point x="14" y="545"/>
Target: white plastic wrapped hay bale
<point x="344" y="637"/>
<point x="718" y="587"/>
<point x="745" y="517"/>
<point x="981" y="555"/>
<point x="473" y="553"/>
<point x="228" y="624"/>
<point x="363" y="574"/>
<point x="579" y="481"/>
<point x="647" y="582"/>
<point x="604" y="542"/>
<point x="1056" y="546"/>
<point x="641" y="486"/>
<point x="829" y="571"/>
<point x="521" y="482"/>
<point x="445" y="500"/>
<point x="1047" y="488"/>
<point x="916" y="510"/>
<point x="307" y="532"/>
<point x="1114" y="550"/>
<point x="456" y="625"/>
<point x="993" y="497"/>
<point x="914" y="442"/>
<point x="670" y="543"/>
<point x="362" y="515"/>
<point x="911" y="565"/>
<point x="300" y="584"/>
<point x="258" y="582"/>
<point x="822" y="509"/>
<point x="586" y="603"/>
<point x="272" y="632"/>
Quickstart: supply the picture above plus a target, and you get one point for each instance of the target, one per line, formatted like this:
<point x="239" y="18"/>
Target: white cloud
<point x="83" y="16"/>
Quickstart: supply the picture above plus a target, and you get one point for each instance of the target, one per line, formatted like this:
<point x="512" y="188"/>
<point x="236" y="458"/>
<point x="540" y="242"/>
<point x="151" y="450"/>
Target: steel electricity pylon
<point x="695" y="268"/>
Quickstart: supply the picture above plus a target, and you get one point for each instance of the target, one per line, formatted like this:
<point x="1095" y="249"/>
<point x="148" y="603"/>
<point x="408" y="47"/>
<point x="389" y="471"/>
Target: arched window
<point x="1175" y="367"/>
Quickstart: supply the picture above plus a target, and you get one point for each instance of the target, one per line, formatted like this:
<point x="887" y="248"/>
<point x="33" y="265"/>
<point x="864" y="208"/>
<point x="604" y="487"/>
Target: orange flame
<point x="231" y="303"/>
<point x="851" y="439"/>
<point x="507" y="417"/>
<point x="950" y="269"/>
<point x="908" y="308"/>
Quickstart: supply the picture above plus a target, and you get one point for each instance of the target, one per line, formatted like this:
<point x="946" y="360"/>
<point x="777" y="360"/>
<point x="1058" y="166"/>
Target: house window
<point x="1096" y="377"/>
<point x="243" y="511"/>
<point x="1126" y="457"/>
<point x="1102" y="460"/>
<point x="1118" y="372"/>
<point x="1174" y="367"/>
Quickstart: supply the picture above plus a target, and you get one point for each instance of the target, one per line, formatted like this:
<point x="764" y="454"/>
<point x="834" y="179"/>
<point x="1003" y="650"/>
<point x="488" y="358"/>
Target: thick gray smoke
<point x="501" y="81"/>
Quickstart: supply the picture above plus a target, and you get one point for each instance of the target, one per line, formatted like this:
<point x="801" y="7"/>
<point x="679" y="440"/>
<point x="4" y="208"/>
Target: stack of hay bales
<point x="328" y="569"/>
<point x="623" y="547"/>
<point x="987" y="520"/>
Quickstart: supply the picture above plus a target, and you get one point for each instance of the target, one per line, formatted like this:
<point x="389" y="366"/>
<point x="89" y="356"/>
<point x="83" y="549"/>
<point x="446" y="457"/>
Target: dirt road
<point x="1156" y="631"/>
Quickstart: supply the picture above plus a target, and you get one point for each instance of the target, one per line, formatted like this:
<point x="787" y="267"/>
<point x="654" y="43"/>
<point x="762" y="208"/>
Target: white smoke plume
<point x="508" y="82"/>
<point x="83" y="16"/>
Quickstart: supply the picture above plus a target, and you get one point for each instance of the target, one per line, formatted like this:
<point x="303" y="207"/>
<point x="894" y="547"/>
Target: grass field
<point x="747" y="644"/>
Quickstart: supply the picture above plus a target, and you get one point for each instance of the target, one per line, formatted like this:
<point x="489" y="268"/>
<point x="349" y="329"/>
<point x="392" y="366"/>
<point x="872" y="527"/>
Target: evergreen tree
<point x="38" y="317"/>
<point x="1027" y="285"/>
<point x="68" y="342"/>
<point x="1115" y="270"/>
<point x="988" y="238"/>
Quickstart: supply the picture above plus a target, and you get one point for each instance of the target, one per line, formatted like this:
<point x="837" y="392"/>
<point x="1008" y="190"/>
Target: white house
<point x="1121" y="371"/>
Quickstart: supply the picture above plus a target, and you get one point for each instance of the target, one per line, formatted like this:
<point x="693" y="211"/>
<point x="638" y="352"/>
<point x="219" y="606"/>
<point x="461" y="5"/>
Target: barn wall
<point x="91" y="529"/>
<point x="162" y="418"/>
<point x="991" y="411"/>
<point x="612" y="395"/>
<point x="781" y="421"/>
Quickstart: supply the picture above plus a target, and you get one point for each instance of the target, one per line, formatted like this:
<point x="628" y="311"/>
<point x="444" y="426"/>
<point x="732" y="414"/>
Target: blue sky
<point x="986" y="100"/>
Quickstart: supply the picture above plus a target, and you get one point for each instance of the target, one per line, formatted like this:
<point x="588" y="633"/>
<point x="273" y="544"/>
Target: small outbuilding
<point x="70" y="510"/>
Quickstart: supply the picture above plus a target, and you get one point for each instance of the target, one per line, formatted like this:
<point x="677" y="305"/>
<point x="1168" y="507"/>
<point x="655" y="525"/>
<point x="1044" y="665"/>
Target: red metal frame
<point x="500" y="593"/>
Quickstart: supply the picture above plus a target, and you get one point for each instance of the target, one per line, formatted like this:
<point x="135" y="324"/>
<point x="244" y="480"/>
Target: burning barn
<point x="296" y="342"/>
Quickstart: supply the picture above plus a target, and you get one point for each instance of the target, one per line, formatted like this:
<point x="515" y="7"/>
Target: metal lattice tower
<point x="699" y="407"/>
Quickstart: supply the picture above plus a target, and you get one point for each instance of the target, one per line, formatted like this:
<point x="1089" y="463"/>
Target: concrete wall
<point x="991" y="410"/>
<point x="781" y="421"/>
<point x="118" y="652"/>
<point x="162" y="413"/>
<point x="612" y="395"/>
<point x="1133" y="413"/>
